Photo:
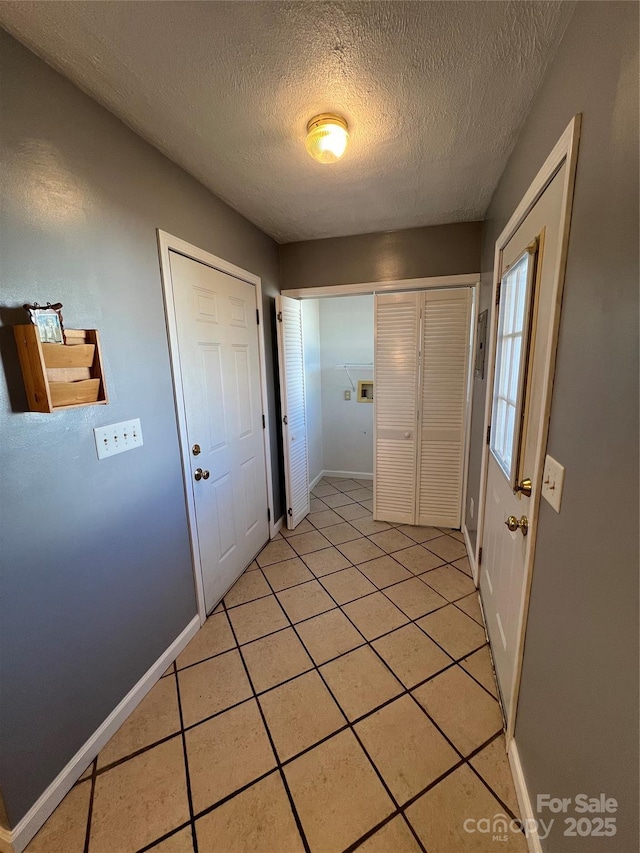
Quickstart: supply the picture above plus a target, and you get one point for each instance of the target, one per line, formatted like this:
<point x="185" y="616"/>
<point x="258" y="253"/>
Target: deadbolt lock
<point x="514" y="524"/>
<point x="524" y="487"/>
<point x="196" y="450"/>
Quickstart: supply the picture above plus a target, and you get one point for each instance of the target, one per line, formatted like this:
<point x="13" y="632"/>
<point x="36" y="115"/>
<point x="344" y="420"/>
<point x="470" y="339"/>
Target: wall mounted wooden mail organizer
<point x="61" y="376"/>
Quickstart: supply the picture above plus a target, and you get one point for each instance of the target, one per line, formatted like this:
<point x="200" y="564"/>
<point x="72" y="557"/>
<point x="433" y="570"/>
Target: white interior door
<point x="397" y="326"/>
<point x="524" y="334"/>
<point x="445" y="388"/>
<point x="219" y="365"/>
<point x="294" y="419"/>
<point x="421" y="398"/>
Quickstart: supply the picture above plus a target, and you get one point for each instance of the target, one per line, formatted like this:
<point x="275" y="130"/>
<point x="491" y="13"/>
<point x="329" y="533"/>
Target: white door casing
<point x="524" y="318"/>
<point x="218" y="372"/>
<point x="294" y="419"/>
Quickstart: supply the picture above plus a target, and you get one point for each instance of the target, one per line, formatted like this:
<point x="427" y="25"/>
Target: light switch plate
<point x="552" y="482"/>
<point x="116" y="438"/>
<point x="347" y="395"/>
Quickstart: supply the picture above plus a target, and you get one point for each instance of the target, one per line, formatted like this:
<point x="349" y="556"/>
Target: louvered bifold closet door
<point x="445" y="386"/>
<point x="397" y="323"/>
<point x="294" y="421"/>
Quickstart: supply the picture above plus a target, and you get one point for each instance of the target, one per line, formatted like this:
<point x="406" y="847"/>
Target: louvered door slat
<point x="445" y="372"/>
<point x="292" y="392"/>
<point x="397" y="319"/>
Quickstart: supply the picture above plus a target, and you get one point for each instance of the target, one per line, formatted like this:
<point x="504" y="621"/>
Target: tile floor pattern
<point x="340" y="698"/>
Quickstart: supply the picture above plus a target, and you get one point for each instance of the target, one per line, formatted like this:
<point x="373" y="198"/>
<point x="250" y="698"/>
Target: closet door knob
<point x="407" y="435"/>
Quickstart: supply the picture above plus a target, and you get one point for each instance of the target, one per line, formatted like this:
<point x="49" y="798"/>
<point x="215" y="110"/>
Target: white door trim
<point x="468" y="280"/>
<point x="167" y="243"/>
<point x="471" y="280"/>
<point x="565" y="150"/>
<point x="467" y="428"/>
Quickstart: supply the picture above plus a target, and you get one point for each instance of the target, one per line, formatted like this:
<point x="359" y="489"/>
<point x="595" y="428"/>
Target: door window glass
<point x="511" y="359"/>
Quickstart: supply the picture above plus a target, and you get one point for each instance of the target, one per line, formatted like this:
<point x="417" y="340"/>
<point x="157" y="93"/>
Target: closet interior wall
<point x="338" y="331"/>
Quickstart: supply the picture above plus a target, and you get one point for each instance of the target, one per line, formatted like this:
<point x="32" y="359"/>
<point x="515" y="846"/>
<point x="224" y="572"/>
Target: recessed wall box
<point x="365" y="391"/>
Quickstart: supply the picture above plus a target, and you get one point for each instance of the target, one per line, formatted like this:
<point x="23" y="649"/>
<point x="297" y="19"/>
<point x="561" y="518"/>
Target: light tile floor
<point x="340" y="698"/>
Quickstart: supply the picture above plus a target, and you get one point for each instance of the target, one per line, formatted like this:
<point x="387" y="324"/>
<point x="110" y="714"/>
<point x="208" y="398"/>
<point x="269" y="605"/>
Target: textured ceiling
<point x="434" y="93"/>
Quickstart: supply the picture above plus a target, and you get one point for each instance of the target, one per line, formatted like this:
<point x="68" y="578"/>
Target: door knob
<point x="513" y="524"/>
<point x="524" y="487"/>
<point x="198" y="474"/>
<point x="205" y="475"/>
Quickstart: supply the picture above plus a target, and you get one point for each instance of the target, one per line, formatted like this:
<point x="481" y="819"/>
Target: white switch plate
<point x="347" y="395"/>
<point x="552" y="482"/>
<point x="116" y="438"/>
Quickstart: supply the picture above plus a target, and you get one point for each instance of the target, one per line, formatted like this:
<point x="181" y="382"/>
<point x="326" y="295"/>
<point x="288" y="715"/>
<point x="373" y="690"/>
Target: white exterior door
<point x="524" y="329"/>
<point x="219" y="365"/>
<point x="294" y="418"/>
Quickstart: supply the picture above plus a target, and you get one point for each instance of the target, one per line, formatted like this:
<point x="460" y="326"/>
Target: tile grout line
<point x="186" y="763"/>
<point x="285" y="784"/>
<point x="408" y="691"/>
<point x="456" y="662"/>
<point x="100" y="771"/>
<point x="351" y="724"/>
<point x="313" y="664"/>
<point x="433" y="784"/>
<point x="153" y="844"/>
<point x="382" y="590"/>
<point x="94" y="764"/>
<point x="316" y="667"/>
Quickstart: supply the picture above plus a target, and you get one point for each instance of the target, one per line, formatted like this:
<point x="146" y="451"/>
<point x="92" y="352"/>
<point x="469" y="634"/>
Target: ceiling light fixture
<point x="327" y="138"/>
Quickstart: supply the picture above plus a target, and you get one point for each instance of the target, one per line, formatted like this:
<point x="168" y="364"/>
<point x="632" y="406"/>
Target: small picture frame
<point x="48" y="319"/>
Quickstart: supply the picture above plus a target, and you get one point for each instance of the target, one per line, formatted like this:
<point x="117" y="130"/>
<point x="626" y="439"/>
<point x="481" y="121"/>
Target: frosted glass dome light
<point x="327" y="138"/>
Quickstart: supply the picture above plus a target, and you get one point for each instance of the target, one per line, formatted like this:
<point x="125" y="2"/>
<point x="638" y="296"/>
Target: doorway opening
<point x="376" y="387"/>
<point x="337" y="334"/>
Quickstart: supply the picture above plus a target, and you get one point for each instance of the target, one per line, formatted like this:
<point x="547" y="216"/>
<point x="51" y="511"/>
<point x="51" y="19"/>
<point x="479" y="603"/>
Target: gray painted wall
<point x="96" y="574"/>
<point x="577" y="726"/>
<point x="384" y="256"/>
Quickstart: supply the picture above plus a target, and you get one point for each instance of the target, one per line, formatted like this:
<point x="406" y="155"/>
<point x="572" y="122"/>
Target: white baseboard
<point x="277" y="527"/>
<point x="354" y="475"/>
<point x="524" y="800"/>
<point x="471" y="553"/>
<point x="316" y="480"/>
<point x="16" y="840"/>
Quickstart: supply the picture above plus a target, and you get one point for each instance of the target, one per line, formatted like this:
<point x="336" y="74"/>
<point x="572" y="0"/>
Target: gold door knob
<point x="513" y="524"/>
<point x="524" y="487"/>
<point x="198" y="474"/>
